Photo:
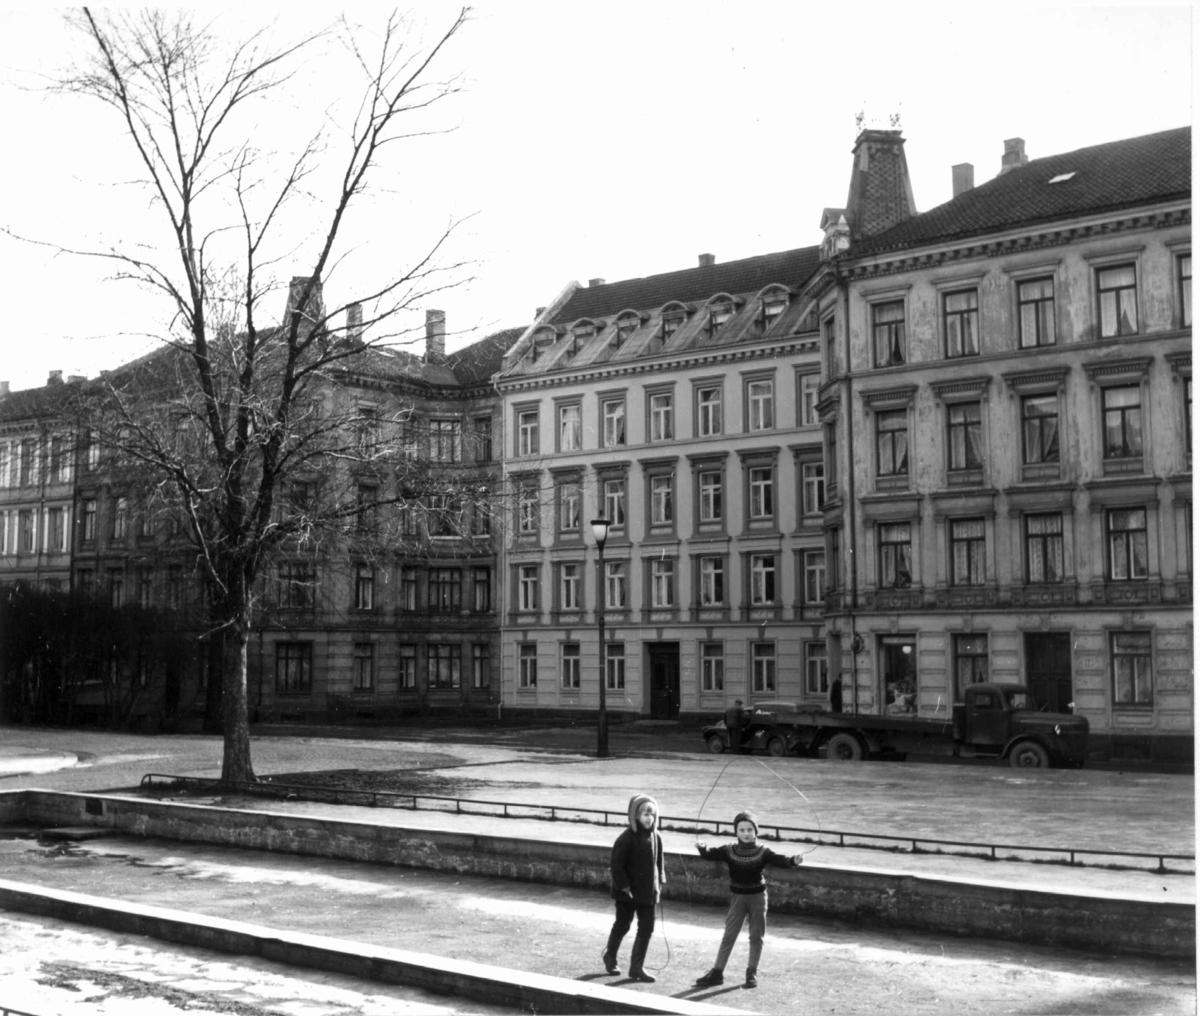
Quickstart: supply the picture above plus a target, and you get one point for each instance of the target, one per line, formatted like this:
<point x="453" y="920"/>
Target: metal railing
<point x="1079" y="857"/>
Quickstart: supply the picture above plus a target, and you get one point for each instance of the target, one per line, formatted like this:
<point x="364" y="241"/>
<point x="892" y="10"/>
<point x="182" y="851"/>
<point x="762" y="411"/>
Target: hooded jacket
<point x="638" y="872"/>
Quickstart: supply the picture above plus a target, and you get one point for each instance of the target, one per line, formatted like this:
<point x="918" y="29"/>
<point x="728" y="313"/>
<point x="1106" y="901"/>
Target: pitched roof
<point x="44" y="402"/>
<point x="749" y="275"/>
<point x="1121" y="174"/>
<point x="477" y="362"/>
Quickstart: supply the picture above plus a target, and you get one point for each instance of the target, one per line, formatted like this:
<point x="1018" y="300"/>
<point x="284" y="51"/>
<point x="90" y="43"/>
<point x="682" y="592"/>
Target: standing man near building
<point x="735" y="720"/>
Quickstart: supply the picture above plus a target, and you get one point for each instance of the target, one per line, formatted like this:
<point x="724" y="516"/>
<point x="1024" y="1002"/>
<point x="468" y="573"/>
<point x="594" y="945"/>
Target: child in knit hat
<point x="637" y="878"/>
<point x="748" y="894"/>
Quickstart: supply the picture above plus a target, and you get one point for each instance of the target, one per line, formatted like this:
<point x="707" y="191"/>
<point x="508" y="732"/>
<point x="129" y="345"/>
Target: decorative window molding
<point x="1034" y="382"/>
<point x="1130" y="371"/>
<point x="881" y="399"/>
<point x="972" y="389"/>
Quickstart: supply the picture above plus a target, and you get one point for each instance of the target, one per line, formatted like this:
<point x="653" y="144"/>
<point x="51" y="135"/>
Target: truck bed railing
<point x="1079" y="857"/>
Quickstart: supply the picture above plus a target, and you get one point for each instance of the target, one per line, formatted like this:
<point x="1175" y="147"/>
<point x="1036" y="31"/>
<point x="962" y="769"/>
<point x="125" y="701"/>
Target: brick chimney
<point x="707" y="260"/>
<point x="593" y="283"/>
<point x="881" y="193"/>
<point x="1014" y="155"/>
<point x="964" y="178"/>
<point x="313" y="311"/>
<point x="3" y="387"/>
<point x="74" y="379"/>
<point x="435" y="336"/>
<point x="55" y="378"/>
<point x="354" y="326"/>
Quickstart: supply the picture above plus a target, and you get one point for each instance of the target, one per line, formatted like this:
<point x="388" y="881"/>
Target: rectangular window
<point x="614" y="423"/>
<point x="445" y="441"/>
<point x="58" y="529"/>
<point x="662" y="417"/>
<point x="445" y="665"/>
<point x="762" y="655"/>
<point x="528" y="582"/>
<point x="812" y="487"/>
<point x="964" y="438"/>
<point x="710" y="496"/>
<point x="568" y="587"/>
<point x="145" y="589"/>
<point x="960" y="320"/>
<point x="1123" y="422"/>
<point x="1035" y="312"/>
<point x="816" y="668"/>
<point x="662" y="510"/>
<point x="760" y="399"/>
<point x="364" y="666"/>
<point x="970" y="662"/>
<point x="814" y="577"/>
<point x="895" y="555"/>
<point x="445" y="590"/>
<point x="570" y="665"/>
<point x="58" y="460"/>
<point x="25" y="528"/>
<point x="528" y="510"/>
<point x="527" y="665"/>
<point x="887" y="327"/>
<point x="1116" y="288"/>
<point x="366" y="430"/>
<point x="4" y="464"/>
<point x="295" y="585"/>
<point x="614" y="502"/>
<point x="570" y="428"/>
<point x="93" y="450"/>
<point x="481" y="666"/>
<point x="708" y="411"/>
<point x="28" y="470"/>
<point x="407" y="667"/>
<point x="293" y="668"/>
<point x="662" y="583"/>
<point x="570" y="507"/>
<point x="174" y="587"/>
<point x="1127" y="548"/>
<point x="1133" y="674"/>
<point x="968" y="552"/>
<point x="483" y="439"/>
<point x="712" y="666"/>
<point x="1044" y="548"/>
<point x="482" y="589"/>
<point x="615" y="591"/>
<point x="762" y="579"/>
<point x="891" y="442"/>
<point x="712" y="581"/>
<point x="85" y="582"/>
<point x="1039" y="429"/>
<point x="762" y="492"/>
<point x="614" y="666"/>
<point x="527" y="432"/>
<point x="366" y="500"/>
<point x="1185" y="290"/>
<point x="364" y="587"/>
<point x="120" y="519"/>
<point x="408" y="589"/>
<point x="810" y="386"/>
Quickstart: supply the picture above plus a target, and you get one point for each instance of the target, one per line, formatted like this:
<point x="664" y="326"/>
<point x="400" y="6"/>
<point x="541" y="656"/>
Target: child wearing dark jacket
<point x="748" y="894"/>
<point x="637" y="878"/>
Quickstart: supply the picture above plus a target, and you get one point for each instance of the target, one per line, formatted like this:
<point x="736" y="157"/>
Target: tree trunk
<point x="236" y="764"/>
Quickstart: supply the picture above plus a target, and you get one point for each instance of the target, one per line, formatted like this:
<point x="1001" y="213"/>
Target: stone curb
<point x="480" y="982"/>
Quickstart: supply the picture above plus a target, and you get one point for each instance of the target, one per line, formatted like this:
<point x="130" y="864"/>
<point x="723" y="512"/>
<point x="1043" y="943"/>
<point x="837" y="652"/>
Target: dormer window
<point x="543" y="339"/>
<point x="774" y="303"/>
<point x="627" y="324"/>
<point x="583" y="330"/>
<point x="674" y="315"/>
<point x="719" y="311"/>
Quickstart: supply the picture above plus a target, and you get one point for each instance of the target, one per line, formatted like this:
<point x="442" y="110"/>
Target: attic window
<point x="673" y="317"/>
<point x="1062" y="177"/>
<point x="627" y="324"/>
<point x="718" y="313"/>
<point x="584" y="330"/>
<point x="774" y="302"/>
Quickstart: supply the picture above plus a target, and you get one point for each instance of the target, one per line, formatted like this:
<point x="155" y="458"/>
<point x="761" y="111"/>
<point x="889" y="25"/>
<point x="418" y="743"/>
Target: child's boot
<point x="637" y="958"/>
<point x="752" y="977"/>
<point x="711" y="979"/>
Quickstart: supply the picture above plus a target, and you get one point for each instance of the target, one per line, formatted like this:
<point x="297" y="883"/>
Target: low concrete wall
<point x="1104" y="923"/>
<point x="479" y="982"/>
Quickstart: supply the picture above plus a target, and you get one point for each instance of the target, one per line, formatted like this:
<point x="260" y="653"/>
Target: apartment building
<point x="1007" y="414"/>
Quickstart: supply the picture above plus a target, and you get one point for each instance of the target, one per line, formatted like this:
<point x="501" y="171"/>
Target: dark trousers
<point x="645" y="919"/>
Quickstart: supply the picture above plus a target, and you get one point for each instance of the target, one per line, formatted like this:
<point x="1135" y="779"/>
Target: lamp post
<point x="600" y="532"/>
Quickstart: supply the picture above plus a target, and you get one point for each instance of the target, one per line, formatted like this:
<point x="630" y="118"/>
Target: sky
<point x="585" y="140"/>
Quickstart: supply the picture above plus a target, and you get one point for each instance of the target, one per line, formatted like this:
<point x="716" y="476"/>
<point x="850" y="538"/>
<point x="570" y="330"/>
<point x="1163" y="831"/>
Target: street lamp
<point x="600" y="532"/>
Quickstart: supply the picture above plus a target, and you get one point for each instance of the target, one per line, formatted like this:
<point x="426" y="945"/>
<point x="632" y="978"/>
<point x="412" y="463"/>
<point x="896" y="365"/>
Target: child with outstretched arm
<point x="637" y="878"/>
<point x="747" y="858"/>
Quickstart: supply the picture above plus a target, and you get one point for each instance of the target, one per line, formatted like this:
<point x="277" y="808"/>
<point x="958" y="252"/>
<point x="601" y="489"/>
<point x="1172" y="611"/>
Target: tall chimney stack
<point x="1014" y="155"/>
<point x="354" y="322"/>
<point x="313" y="310"/>
<point x="964" y="178"/>
<point x="55" y="378"/>
<point x="881" y="194"/>
<point x="435" y="336"/>
<point x="3" y="387"/>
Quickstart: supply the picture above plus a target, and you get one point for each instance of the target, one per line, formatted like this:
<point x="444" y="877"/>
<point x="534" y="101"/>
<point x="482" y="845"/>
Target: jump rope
<point x="683" y="863"/>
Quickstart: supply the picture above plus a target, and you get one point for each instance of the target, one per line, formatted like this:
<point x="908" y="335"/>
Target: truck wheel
<point x="716" y="743"/>
<point x="844" y="748"/>
<point x="776" y="747"/>
<point x="1029" y="755"/>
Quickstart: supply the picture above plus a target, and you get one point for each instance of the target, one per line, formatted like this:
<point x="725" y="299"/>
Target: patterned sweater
<point x="746" y="864"/>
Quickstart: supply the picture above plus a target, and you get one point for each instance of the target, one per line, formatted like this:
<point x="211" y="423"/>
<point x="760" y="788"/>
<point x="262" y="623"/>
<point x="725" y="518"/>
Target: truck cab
<point x="1000" y="719"/>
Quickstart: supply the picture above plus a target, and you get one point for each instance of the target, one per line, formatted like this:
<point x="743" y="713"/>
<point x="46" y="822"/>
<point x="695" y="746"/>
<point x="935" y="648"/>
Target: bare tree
<point x="219" y="426"/>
